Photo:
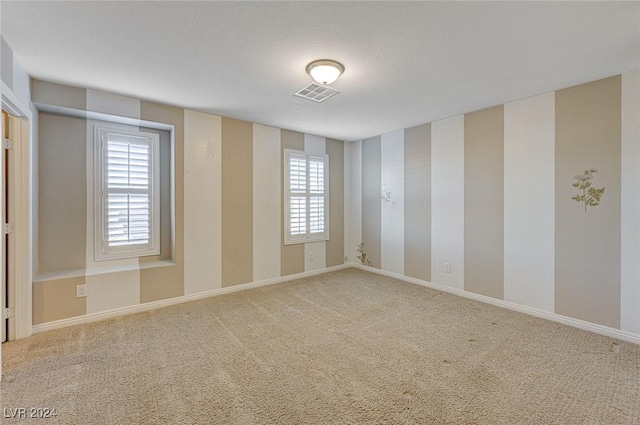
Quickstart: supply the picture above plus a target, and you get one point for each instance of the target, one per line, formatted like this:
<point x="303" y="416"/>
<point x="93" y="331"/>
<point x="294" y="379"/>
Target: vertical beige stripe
<point x="58" y="94"/>
<point x="63" y="193"/>
<point x="335" y="245"/>
<point x="56" y="300"/>
<point x="237" y="202"/>
<point x="484" y="202"/>
<point x="157" y="283"/>
<point x="371" y="208"/>
<point x="587" y="249"/>
<point x="292" y="256"/>
<point x="417" y="202"/>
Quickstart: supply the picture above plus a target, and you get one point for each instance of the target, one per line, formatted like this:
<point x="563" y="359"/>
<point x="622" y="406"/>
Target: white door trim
<point x="22" y="211"/>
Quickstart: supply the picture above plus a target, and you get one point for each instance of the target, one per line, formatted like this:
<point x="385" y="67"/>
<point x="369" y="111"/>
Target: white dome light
<point x="325" y="71"/>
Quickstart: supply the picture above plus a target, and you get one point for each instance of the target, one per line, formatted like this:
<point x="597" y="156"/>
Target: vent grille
<point x="316" y="92"/>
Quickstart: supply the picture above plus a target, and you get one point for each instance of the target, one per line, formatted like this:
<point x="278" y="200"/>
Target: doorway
<point x="5" y="274"/>
<point x="15" y="131"/>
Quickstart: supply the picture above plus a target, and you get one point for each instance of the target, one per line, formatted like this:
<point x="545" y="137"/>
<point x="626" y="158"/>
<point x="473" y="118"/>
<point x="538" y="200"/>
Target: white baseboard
<point x="580" y="324"/>
<point x="138" y="308"/>
<point x="576" y="323"/>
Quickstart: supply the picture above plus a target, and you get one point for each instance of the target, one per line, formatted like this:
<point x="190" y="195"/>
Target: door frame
<point x="20" y="297"/>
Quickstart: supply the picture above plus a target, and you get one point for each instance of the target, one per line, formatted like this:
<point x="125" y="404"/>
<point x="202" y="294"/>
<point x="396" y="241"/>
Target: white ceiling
<point x="406" y="63"/>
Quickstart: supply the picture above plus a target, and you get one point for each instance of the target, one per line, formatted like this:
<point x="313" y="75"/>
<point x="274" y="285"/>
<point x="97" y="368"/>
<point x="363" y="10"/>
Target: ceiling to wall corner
<point x="406" y="63"/>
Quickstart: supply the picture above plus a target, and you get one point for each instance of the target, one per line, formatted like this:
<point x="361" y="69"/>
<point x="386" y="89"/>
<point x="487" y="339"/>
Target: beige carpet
<point x="342" y="348"/>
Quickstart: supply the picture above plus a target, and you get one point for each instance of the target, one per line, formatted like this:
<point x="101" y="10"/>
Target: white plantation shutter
<point x="306" y="197"/>
<point x="297" y="194"/>
<point x="127" y="186"/>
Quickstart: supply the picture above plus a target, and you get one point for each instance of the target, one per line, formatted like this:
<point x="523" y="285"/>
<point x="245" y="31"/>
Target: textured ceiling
<point x="406" y="63"/>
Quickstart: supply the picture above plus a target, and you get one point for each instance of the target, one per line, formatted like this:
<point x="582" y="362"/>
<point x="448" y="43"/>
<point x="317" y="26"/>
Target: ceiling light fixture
<point x="325" y="71"/>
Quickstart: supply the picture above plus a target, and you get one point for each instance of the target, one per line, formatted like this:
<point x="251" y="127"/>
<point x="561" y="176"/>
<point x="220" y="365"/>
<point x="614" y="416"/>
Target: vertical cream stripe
<point x="587" y="250"/>
<point x="21" y="83"/>
<point x="529" y="201"/>
<point x="392" y="216"/>
<point x="112" y="290"/>
<point x="202" y="202"/>
<point x="237" y="202"/>
<point x="484" y="202"/>
<point x="447" y="201"/>
<point x="6" y="60"/>
<point x="417" y="210"/>
<point x="315" y="144"/>
<point x="267" y="201"/>
<point x="113" y="104"/>
<point x="630" y="276"/>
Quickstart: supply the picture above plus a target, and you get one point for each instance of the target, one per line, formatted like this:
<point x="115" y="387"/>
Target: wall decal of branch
<point x="590" y="196"/>
<point x="363" y="255"/>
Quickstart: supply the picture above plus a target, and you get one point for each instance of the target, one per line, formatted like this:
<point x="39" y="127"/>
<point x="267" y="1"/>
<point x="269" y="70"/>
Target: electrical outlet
<point x="447" y="267"/>
<point x="81" y="291"/>
<point x="311" y="256"/>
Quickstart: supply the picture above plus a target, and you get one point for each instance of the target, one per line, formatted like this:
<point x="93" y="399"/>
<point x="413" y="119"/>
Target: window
<point x="127" y="209"/>
<point x="306" y="197"/>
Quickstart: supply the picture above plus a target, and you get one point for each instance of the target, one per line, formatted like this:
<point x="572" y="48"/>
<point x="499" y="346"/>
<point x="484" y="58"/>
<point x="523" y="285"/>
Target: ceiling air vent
<point x="316" y="92"/>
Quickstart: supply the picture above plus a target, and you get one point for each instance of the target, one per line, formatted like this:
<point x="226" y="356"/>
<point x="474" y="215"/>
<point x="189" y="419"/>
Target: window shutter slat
<point x="128" y="171"/>
<point x="306" y="197"/>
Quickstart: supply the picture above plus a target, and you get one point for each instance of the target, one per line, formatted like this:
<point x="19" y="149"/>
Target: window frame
<point x="102" y="250"/>
<point x="308" y="237"/>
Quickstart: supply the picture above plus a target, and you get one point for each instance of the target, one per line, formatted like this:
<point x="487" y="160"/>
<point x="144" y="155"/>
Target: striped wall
<point x="228" y="218"/>
<point x="482" y="202"/>
<point x="479" y="202"/>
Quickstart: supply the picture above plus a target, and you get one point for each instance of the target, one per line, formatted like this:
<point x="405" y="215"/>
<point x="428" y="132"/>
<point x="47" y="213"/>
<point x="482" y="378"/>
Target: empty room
<point x="320" y="212"/>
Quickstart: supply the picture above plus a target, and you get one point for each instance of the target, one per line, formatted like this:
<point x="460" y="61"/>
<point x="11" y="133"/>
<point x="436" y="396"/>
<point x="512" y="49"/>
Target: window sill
<point x="68" y="274"/>
<point x="304" y="241"/>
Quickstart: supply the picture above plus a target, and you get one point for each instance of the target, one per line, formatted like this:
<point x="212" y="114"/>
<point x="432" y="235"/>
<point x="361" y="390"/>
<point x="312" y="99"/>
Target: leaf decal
<point x="590" y="195"/>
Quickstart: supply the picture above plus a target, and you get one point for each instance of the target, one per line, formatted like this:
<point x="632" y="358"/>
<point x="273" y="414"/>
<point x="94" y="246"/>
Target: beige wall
<point x="504" y="178"/>
<point x="335" y="245"/>
<point x="371" y="190"/>
<point x="484" y="202"/>
<point x="66" y="181"/>
<point x="63" y="195"/>
<point x="237" y="202"/>
<point x="417" y="195"/>
<point x="588" y="135"/>
<point x="56" y="299"/>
